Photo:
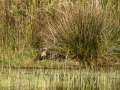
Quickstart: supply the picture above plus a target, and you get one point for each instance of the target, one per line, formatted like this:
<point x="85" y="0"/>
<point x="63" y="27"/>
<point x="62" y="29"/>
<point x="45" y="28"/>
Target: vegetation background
<point x="87" y="31"/>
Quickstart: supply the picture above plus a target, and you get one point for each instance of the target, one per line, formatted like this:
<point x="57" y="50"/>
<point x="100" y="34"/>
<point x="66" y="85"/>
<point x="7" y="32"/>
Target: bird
<point x="41" y="55"/>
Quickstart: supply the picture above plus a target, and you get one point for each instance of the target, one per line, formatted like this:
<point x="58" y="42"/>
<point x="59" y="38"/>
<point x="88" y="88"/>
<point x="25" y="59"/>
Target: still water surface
<point x="42" y="79"/>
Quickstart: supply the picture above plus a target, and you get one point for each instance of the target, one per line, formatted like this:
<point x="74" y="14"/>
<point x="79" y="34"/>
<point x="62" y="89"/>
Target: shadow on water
<point x="47" y="79"/>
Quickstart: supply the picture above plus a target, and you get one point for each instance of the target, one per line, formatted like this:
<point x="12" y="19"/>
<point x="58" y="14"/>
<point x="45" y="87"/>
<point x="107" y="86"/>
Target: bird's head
<point x="44" y="49"/>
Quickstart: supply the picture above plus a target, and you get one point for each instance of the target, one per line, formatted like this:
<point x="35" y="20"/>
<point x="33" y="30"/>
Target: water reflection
<point x="58" y="79"/>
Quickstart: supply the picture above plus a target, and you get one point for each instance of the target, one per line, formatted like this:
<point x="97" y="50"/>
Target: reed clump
<point x="86" y="32"/>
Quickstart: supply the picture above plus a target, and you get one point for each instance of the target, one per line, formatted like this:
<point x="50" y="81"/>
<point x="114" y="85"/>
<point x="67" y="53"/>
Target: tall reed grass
<point x="87" y="31"/>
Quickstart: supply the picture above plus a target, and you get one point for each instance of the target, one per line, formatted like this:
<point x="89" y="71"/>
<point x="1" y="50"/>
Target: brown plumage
<point x="41" y="55"/>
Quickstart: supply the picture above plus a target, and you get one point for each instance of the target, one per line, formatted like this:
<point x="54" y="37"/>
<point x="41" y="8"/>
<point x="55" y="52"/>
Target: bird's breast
<point x="43" y="54"/>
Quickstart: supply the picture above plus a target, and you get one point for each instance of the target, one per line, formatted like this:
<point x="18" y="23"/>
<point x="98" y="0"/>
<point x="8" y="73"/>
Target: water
<point x="42" y="79"/>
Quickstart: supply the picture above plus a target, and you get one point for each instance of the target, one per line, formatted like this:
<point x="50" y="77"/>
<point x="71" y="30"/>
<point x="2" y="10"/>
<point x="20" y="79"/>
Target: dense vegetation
<point x="84" y="30"/>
